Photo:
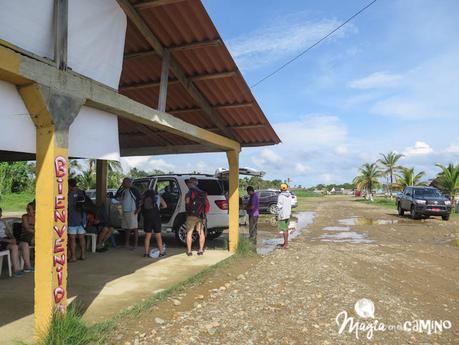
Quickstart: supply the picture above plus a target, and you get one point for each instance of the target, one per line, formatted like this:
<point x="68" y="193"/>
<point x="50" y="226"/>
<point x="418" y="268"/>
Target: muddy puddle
<point x="299" y="221"/>
<point x="368" y="221"/>
<point x="343" y="233"/>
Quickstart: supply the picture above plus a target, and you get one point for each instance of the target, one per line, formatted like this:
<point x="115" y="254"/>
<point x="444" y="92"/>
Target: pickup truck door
<point x="407" y="199"/>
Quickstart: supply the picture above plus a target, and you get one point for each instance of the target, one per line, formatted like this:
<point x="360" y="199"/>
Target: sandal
<point x="189" y="253"/>
<point x="201" y="252"/>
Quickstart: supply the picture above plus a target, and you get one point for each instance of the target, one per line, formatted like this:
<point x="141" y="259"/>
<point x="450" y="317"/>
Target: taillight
<point x="222" y="204"/>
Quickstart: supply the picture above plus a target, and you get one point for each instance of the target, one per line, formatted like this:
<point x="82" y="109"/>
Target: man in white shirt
<point x="130" y="198"/>
<point x="284" y="211"/>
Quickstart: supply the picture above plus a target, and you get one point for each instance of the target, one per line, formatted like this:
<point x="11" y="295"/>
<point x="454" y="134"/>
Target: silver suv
<point x="173" y="189"/>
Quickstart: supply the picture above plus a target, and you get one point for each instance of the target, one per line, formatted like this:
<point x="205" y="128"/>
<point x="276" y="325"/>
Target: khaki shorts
<point x="129" y="221"/>
<point x="193" y="223"/>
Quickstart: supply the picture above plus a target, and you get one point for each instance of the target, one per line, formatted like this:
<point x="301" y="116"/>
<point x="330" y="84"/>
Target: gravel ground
<point x="406" y="268"/>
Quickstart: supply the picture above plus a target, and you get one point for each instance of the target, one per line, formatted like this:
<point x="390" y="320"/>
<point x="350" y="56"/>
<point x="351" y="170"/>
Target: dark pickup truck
<point x="423" y="201"/>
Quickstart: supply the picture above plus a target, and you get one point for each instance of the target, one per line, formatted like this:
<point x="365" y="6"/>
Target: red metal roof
<point x="185" y="28"/>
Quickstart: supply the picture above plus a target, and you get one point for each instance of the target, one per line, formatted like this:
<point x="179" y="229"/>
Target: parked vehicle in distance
<point x="267" y="199"/>
<point x="423" y="201"/>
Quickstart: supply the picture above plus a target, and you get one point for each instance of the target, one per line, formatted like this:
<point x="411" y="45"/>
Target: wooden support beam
<point x="61" y="15"/>
<point x="22" y="70"/>
<point x="240" y="127"/>
<point x="153" y="84"/>
<point x="155" y="3"/>
<point x="233" y="199"/>
<point x="164" y="81"/>
<point x="182" y="47"/>
<point x="217" y="107"/>
<point x="166" y="150"/>
<point x="175" y="67"/>
<point x="101" y="181"/>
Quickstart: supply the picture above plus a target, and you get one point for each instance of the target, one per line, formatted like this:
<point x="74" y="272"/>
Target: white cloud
<point x="454" y="147"/>
<point x="146" y="163"/>
<point x="376" y="80"/>
<point x="420" y="148"/>
<point x="282" y="38"/>
<point x="429" y="91"/>
<point x="267" y="157"/>
<point x="301" y="168"/>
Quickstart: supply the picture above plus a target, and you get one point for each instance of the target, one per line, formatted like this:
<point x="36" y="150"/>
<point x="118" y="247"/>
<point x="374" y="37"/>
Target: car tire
<point x="180" y="233"/>
<point x="445" y="218"/>
<point x="272" y="209"/>
<point x="214" y="235"/>
<point x="414" y="215"/>
<point x="401" y="211"/>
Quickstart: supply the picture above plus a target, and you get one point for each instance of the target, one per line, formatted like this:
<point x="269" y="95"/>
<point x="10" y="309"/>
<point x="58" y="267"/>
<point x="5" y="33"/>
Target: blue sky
<point x="389" y="80"/>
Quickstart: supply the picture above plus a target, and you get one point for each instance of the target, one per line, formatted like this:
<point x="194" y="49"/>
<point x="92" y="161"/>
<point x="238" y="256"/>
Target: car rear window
<point x="211" y="187"/>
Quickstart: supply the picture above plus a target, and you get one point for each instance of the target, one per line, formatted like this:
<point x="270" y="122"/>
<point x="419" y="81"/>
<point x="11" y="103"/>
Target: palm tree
<point x="87" y="179"/>
<point x="408" y="177"/>
<point x="112" y="166"/>
<point x="389" y="161"/>
<point x="368" y="178"/>
<point x="448" y="180"/>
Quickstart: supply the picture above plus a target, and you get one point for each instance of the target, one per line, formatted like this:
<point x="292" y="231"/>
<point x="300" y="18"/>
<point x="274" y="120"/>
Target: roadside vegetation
<point x="398" y="177"/>
<point x="70" y="329"/>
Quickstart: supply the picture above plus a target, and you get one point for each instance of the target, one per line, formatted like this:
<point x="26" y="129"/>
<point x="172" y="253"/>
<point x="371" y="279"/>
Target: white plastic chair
<point x="7" y="254"/>
<point x="93" y="243"/>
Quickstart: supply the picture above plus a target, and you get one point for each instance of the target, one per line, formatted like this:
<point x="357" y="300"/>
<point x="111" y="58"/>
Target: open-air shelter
<point x="104" y="79"/>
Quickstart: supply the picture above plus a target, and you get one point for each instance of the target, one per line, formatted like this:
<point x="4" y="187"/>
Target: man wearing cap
<point x="129" y="197"/>
<point x="284" y="211"/>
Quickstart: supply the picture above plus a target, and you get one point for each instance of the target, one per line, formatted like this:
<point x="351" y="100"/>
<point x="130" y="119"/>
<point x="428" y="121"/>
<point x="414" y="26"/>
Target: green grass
<point x="379" y="202"/>
<point x="16" y="202"/>
<point x="305" y="193"/>
<point x="71" y="330"/>
<point x="68" y="329"/>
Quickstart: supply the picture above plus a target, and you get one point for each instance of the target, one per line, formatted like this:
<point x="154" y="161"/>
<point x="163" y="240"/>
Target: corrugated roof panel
<point x="176" y="24"/>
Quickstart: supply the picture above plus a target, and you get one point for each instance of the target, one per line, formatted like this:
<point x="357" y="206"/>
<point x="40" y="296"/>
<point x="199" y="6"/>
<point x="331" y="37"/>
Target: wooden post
<point x="61" y="14"/>
<point x="52" y="114"/>
<point x="101" y="181"/>
<point x="233" y="160"/>
<point x="164" y="81"/>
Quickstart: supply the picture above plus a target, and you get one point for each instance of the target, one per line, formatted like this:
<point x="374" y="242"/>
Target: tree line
<point x="398" y="176"/>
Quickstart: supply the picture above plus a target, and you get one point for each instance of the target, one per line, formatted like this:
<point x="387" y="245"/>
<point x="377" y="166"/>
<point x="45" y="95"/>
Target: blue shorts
<point x="76" y="230"/>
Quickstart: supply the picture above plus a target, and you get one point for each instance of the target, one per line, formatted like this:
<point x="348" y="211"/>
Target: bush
<point x="244" y="247"/>
<point x="67" y="329"/>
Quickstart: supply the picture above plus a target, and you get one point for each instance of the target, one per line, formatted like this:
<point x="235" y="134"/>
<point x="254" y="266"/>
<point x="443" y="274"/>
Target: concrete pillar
<point x="52" y="113"/>
<point x="233" y="195"/>
<point x="101" y="181"/>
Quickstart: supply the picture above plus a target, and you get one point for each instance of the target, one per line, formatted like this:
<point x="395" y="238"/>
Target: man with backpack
<point x="197" y="207"/>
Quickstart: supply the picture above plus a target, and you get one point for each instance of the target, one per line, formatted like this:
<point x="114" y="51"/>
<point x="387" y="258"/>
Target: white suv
<point x="173" y="189"/>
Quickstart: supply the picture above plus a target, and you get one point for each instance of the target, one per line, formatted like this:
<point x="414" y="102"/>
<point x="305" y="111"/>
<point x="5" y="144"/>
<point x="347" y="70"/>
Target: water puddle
<point x="337" y="228"/>
<point x="297" y="224"/>
<point x="368" y="221"/>
<point x="346" y="237"/>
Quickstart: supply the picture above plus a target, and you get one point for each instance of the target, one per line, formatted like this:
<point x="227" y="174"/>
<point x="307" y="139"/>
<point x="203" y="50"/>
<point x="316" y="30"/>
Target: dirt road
<point x="351" y="251"/>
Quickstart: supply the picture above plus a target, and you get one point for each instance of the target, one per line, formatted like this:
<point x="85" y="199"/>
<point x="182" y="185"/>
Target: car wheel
<point x="445" y="217"/>
<point x="272" y="209"/>
<point x="401" y="211"/>
<point x="414" y="215"/>
<point x="214" y="234"/>
<point x="180" y="234"/>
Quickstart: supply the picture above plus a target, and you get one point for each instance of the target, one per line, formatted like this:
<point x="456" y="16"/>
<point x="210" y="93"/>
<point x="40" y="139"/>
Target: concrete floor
<point x="103" y="284"/>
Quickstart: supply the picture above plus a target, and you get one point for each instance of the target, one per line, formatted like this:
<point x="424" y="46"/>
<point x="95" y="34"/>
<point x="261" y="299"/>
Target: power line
<point x="312" y="46"/>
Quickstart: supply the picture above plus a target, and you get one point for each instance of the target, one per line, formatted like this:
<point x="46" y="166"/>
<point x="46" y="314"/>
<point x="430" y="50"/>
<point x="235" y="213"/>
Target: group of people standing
<point x="149" y="205"/>
<point x="284" y="212"/>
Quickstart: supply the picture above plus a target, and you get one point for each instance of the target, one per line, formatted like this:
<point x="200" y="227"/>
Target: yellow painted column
<point x="233" y="160"/>
<point x="52" y="114"/>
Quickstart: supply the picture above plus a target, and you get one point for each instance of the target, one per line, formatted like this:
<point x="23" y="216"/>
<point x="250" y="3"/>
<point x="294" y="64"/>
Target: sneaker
<point x="29" y="270"/>
<point x="162" y="254"/>
<point x="189" y="253"/>
<point x="201" y="253"/>
<point x="18" y="274"/>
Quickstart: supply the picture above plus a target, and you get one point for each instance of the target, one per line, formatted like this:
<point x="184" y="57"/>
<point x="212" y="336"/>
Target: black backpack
<point x="197" y="204"/>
